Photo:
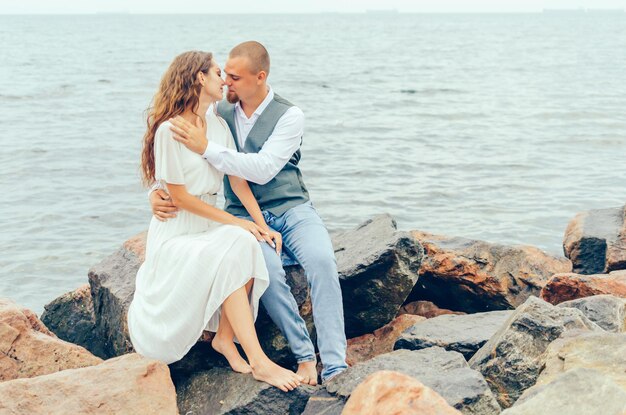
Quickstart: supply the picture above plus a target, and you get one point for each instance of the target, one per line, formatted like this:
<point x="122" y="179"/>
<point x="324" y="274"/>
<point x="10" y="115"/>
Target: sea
<point x="500" y="127"/>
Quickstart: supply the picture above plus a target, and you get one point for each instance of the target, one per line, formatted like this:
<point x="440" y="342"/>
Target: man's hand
<point x="192" y="136"/>
<point x="162" y="206"/>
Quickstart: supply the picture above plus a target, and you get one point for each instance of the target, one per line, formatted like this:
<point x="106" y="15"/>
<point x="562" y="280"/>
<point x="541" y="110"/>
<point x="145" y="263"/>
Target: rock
<point x="381" y="341"/>
<point x="474" y="276"/>
<point x="222" y="391"/>
<point x="112" y="284"/>
<point x="568" y="286"/>
<point x="322" y="402"/>
<point x="29" y="349"/>
<point x="575" y="392"/>
<point x="425" y="309"/>
<point x="129" y="384"/>
<point x="512" y="359"/>
<point x="607" y="311"/>
<point x="201" y="357"/>
<point x="388" y="392"/>
<point x="600" y="351"/>
<point x="464" y="334"/>
<point x="595" y="241"/>
<point x="447" y="373"/>
<point x="71" y="318"/>
<point x="378" y="267"/>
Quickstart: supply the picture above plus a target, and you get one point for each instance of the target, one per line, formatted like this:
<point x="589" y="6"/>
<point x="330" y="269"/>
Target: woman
<point x="204" y="269"/>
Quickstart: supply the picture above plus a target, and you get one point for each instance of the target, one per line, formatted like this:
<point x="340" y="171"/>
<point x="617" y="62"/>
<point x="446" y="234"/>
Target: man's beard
<point x="232" y="97"/>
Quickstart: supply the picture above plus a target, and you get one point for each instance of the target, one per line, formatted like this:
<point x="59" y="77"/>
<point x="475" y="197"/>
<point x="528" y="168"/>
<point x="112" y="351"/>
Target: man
<point x="268" y="134"/>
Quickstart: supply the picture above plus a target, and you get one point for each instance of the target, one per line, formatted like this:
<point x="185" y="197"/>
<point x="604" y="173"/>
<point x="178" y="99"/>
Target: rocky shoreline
<point x="436" y="325"/>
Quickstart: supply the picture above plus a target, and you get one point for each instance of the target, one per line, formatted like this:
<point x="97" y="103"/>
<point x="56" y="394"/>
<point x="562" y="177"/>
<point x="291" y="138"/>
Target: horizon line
<point x="364" y="12"/>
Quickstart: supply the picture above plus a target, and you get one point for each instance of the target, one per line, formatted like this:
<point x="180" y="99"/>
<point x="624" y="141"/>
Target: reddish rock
<point x="425" y="309"/>
<point x="387" y="392"/>
<point x="130" y="384"/>
<point x="569" y="286"/>
<point x="137" y="245"/>
<point x="474" y="276"/>
<point x="28" y="348"/>
<point x="595" y="241"/>
<point x="365" y="347"/>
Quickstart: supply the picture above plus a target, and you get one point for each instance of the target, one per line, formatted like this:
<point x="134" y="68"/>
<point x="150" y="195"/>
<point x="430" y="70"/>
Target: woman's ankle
<point x="221" y="338"/>
<point x="259" y="361"/>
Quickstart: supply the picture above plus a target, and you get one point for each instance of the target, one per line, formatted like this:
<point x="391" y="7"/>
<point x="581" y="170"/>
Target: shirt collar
<point x="261" y="107"/>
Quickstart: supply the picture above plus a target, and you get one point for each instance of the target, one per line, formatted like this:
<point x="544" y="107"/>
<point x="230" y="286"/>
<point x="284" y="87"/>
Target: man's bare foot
<point x="269" y="372"/>
<point x="230" y="352"/>
<point x="308" y="372"/>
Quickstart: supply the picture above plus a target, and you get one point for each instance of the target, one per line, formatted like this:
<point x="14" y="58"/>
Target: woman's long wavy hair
<point x="179" y="90"/>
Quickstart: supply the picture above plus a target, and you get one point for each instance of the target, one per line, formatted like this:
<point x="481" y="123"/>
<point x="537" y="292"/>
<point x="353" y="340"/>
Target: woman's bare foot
<point x="308" y="371"/>
<point x="229" y="351"/>
<point x="269" y="372"/>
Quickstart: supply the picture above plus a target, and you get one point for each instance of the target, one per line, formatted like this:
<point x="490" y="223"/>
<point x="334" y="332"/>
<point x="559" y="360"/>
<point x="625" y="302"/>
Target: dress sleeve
<point x="167" y="157"/>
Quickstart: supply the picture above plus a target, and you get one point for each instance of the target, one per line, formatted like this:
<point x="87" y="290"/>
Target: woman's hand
<point x="191" y="136"/>
<point x="273" y="238"/>
<point x="278" y="240"/>
<point x="259" y="233"/>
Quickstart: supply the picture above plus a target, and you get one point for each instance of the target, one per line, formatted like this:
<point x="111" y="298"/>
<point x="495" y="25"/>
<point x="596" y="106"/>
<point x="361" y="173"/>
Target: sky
<point x="295" y="6"/>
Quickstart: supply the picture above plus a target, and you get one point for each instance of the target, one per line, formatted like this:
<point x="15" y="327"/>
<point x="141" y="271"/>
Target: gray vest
<point x="286" y="189"/>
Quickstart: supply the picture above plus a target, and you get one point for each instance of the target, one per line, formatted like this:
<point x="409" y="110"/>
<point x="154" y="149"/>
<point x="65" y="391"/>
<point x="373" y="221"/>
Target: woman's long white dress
<point x="192" y="264"/>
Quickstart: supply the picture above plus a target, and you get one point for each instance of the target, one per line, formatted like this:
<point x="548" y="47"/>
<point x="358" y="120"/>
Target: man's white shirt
<point x="263" y="166"/>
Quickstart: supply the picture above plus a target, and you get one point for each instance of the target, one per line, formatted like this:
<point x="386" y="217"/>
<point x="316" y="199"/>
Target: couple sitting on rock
<point x="207" y="268"/>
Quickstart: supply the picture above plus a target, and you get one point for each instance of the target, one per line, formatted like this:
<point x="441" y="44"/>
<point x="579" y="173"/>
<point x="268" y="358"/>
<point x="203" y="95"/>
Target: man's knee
<point x="322" y="265"/>
<point x="322" y="257"/>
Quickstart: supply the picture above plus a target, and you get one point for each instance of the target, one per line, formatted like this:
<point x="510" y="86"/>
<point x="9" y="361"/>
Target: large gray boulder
<point x="513" y="358"/>
<point x="468" y="275"/>
<point x="447" y="373"/>
<point x="464" y="334"/>
<point x="323" y="403"/>
<point x="607" y="311"/>
<point x="578" y="391"/>
<point x="595" y="241"/>
<point x="112" y="283"/>
<point x="378" y="267"/>
<point x="601" y="351"/>
<point x="222" y="391"/>
<point x="71" y="317"/>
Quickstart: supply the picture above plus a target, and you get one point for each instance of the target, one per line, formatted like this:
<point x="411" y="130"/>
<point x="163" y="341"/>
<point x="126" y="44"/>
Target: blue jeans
<point x="306" y="240"/>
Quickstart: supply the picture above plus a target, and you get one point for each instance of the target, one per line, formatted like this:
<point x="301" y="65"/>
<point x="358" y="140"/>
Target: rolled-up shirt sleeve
<point x="263" y="166"/>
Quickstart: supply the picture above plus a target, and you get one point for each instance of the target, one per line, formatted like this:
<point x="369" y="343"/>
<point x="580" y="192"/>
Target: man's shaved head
<point x="255" y="53"/>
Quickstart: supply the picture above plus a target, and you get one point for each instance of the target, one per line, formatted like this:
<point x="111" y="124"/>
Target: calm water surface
<point x="497" y="127"/>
